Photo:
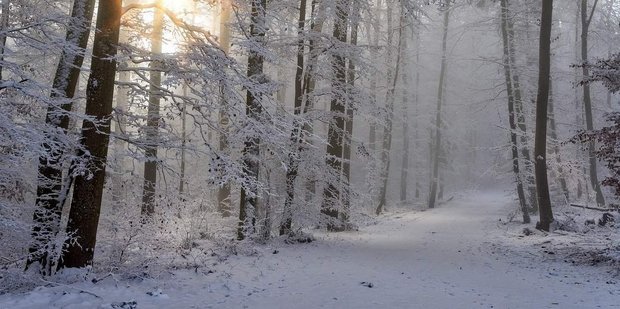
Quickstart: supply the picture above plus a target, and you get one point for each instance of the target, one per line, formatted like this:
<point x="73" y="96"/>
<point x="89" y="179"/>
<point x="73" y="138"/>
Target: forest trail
<point x="449" y="257"/>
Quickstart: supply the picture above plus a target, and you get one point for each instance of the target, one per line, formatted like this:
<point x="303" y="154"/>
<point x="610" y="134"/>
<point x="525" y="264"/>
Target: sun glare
<point x="190" y="12"/>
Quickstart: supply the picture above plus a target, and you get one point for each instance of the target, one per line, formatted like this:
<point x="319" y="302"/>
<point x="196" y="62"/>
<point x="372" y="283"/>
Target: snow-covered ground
<point x="461" y="255"/>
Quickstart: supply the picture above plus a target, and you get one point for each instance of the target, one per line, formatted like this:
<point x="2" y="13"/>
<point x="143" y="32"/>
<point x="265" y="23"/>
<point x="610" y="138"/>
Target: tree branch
<point x="592" y="13"/>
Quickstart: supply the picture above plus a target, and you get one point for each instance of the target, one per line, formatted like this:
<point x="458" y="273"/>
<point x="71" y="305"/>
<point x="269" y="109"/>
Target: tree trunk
<point x="392" y="78"/>
<point x="332" y="192"/>
<point x="296" y="135"/>
<point x="437" y="144"/>
<point x="587" y="100"/>
<point x="52" y="190"/>
<point x="223" y="192"/>
<point x="372" y="135"/>
<point x="153" y="117"/>
<point x="120" y="127"/>
<point x="527" y="176"/>
<point x="182" y="176"/>
<point x="404" y="172"/>
<point x="88" y="189"/>
<point x="348" y="133"/>
<point x="249" y="195"/>
<point x="316" y="26"/>
<point x="418" y="184"/>
<point x="581" y="181"/>
<point x="4" y="26"/>
<point x="511" y="114"/>
<point x="540" y="149"/>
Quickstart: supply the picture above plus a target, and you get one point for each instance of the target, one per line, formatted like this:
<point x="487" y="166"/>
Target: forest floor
<point x="463" y="254"/>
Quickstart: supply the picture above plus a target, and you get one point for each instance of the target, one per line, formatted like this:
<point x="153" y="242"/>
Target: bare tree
<point x="52" y="189"/>
<point x="586" y="20"/>
<point x="511" y="113"/>
<point x="251" y="151"/>
<point x="540" y="149"/>
<point x="88" y="189"/>
<point x="440" y="92"/>
<point x="153" y="117"/>
<point x="332" y="193"/>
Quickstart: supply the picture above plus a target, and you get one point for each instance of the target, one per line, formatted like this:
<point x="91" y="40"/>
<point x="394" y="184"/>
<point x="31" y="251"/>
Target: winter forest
<point x="309" y="153"/>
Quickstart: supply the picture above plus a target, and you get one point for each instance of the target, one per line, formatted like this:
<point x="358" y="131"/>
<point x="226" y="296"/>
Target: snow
<point x="461" y="255"/>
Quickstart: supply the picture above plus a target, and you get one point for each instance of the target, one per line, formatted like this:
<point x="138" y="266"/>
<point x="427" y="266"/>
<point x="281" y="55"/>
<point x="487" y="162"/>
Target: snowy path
<point x="441" y="258"/>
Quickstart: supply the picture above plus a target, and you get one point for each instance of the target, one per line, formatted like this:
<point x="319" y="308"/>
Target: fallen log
<point x="593" y="208"/>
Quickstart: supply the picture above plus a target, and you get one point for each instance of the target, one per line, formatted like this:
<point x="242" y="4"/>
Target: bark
<point x="437" y="143"/>
<point x="4" y="26"/>
<point x="296" y="135"/>
<point x="223" y="192"/>
<point x="183" y="144"/>
<point x="587" y="100"/>
<point x="52" y="189"/>
<point x="316" y="27"/>
<point x="372" y="135"/>
<point x="511" y="114"/>
<point x="332" y="192"/>
<point x="88" y="189"/>
<point x="120" y="126"/>
<point x="348" y="134"/>
<point x="417" y="103"/>
<point x="528" y="175"/>
<point x="540" y="149"/>
<point x="153" y="118"/>
<point x="581" y="181"/>
<point x="249" y="195"/>
<point x="392" y="78"/>
<point x="404" y="172"/>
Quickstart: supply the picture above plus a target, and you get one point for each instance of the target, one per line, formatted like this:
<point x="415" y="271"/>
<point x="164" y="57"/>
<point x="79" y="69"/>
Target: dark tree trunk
<point x="437" y="143"/>
<point x="540" y="149"/>
<point x="153" y="118"/>
<point x="296" y="135"/>
<point x="88" y="189"/>
<point x="52" y="189"/>
<point x="348" y="134"/>
<point x="335" y="137"/>
<point x="511" y="114"/>
<point x="4" y="26"/>
<point x="587" y="100"/>
<point x="251" y="151"/>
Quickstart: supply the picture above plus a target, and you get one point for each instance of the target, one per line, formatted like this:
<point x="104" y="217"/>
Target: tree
<point x="527" y="177"/>
<point x="251" y="151"/>
<point x="223" y="193"/>
<point x="511" y="112"/>
<point x="586" y="20"/>
<point x="392" y="78"/>
<point x="296" y="135"/>
<point x="607" y="72"/>
<point x="540" y="149"/>
<point x="440" y="92"/>
<point x="52" y="189"/>
<point x="335" y="136"/>
<point x="4" y="26"/>
<point x="88" y="187"/>
<point x="153" y="116"/>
